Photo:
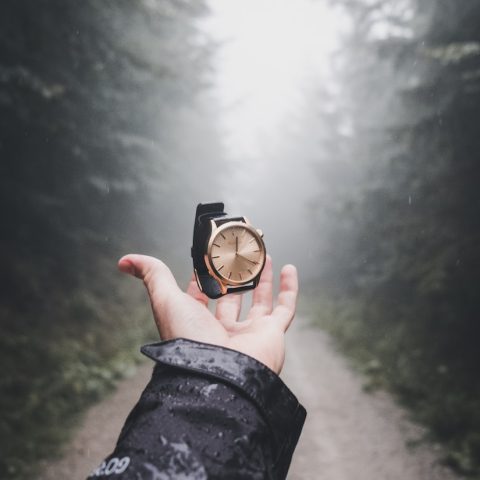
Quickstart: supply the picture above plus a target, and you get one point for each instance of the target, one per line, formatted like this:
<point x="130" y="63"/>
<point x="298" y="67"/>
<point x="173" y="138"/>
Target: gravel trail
<point x="349" y="434"/>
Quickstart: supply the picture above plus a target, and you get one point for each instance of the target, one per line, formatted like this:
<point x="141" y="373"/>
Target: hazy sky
<point x="271" y="51"/>
<point x="272" y="55"/>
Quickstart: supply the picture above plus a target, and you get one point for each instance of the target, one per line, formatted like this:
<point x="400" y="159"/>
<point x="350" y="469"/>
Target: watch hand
<point x="248" y="260"/>
<point x="236" y="245"/>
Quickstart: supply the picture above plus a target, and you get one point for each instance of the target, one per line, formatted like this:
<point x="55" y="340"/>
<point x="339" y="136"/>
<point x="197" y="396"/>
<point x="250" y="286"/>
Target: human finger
<point x="263" y="294"/>
<point x="228" y="308"/>
<point x="148" y="269"/>
<point x="176" y="313"/>
<point x="195" y="292"/>
<point x="284" y="312"/>
<point x="161" y="285"/>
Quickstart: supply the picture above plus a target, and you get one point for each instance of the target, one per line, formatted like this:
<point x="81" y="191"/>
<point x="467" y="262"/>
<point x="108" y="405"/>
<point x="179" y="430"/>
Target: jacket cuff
<point x="277" y="404"/>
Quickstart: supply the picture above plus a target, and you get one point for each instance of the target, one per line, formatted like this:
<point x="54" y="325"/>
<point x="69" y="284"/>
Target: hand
<point x="186" y="315"/>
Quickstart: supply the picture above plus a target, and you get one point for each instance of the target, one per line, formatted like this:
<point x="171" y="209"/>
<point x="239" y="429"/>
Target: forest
<point x="81" y="169"/>
<point x="109" y="136"/>
<point x="400" y="288"/>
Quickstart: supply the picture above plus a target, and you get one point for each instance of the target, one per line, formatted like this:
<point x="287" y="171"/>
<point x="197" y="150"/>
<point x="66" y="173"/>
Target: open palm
<point x="181" y="314"/>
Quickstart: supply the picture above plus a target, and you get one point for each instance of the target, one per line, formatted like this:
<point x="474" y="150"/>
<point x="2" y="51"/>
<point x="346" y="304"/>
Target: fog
<point x="347" y="131"/>
<point x="263" y="71"/>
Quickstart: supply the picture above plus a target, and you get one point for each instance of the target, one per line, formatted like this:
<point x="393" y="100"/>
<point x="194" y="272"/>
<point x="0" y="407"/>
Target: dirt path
<point x="96" y="437"/>
<point x="349" y="434"/>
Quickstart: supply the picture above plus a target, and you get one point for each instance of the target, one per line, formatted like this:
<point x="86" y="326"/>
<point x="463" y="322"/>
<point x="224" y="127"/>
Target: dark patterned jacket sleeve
<point x="208" y="412"/>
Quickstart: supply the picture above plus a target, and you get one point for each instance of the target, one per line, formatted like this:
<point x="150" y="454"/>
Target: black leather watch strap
<point x="201" y="234"/>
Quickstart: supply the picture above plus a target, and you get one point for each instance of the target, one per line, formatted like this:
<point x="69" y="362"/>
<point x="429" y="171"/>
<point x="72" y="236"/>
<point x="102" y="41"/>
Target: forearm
<point x="208" y="412"/>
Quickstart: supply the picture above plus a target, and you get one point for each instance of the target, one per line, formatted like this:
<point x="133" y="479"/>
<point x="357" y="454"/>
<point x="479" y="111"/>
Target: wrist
<point x="271" y="354"/>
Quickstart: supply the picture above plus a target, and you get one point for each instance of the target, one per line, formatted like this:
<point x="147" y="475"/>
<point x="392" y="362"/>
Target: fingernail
<point x="127" y="267"/>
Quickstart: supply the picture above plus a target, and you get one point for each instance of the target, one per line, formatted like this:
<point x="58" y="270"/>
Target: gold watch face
<point x="236" y="253"/>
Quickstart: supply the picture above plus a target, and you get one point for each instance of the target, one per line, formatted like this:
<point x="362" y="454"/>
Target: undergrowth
<point x="54" y="368"/>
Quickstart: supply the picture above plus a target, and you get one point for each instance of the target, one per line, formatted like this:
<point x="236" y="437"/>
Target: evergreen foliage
<point x="404" y="259"/>
<point x="92" y="119"/>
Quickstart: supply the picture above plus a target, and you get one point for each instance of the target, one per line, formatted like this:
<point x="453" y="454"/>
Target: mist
<point x="347" y="131"/>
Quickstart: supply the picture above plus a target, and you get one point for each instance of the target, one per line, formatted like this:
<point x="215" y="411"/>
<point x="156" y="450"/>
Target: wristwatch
<point x="228" y="252"/>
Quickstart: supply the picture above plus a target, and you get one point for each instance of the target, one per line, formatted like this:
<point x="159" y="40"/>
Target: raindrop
<point x="241" y="440"/>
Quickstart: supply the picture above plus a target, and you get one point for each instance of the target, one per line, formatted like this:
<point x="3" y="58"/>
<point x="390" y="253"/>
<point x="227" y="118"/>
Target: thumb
<point x="156" y="276"/>
<point x="172" y="309"/>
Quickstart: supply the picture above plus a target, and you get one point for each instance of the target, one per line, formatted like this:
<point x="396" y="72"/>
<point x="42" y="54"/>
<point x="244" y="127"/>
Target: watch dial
<point x="237" y="254"/>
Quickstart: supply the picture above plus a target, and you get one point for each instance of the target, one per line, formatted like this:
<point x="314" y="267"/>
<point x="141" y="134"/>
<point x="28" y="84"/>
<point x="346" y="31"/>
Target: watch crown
<point x="260" y="232"/>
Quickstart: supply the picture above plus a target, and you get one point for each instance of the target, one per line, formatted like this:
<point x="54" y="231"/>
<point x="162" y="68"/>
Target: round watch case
<point x="259" y="262"/>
